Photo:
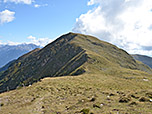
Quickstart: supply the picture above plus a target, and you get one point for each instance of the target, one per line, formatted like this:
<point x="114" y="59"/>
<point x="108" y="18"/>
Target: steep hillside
<point x="11" y="52"/>
<point x="145" y="59"/>
<point x="70" y="54"/>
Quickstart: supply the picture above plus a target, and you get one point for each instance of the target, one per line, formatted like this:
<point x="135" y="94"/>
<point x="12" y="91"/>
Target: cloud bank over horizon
<point x="125" y="23"/>
<point x="32" y="40"/>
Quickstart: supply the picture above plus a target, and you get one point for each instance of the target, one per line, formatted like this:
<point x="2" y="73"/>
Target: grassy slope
<point x="106" y="56"/>
<point x="69" y="95"/>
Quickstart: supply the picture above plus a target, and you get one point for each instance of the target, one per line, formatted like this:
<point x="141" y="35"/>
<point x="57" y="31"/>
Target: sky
<point x="38" y="21"/>
<point x="125" y="23"/>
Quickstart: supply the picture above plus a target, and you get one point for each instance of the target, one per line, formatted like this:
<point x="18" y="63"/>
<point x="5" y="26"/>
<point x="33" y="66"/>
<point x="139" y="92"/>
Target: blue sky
<point x="49" y="19"/>
<point x="124" y="23"/>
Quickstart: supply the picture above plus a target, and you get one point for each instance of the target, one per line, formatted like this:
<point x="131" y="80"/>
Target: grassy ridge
<point x="121" y="92"/>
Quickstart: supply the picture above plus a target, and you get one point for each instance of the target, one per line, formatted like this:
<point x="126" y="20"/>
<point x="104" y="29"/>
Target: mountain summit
<point x="70" y="54"/>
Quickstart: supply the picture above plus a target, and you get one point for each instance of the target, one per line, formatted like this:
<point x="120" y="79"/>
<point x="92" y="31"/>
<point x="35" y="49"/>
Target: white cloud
<point x="31" y="38"/>
<point x="125" y="23"/>
<point x="20" y="1"/>
<point x="39" y="41"/>
<point x="38" y="5"/>
<point x="6" y="16"/>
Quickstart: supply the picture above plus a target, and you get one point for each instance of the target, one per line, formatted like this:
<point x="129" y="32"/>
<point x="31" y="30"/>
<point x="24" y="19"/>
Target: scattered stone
<point x="145" y="80"/>
<point x="121" y="93"/>
<point x="96" y="106"/>
<point x="29" y="85"/>
<point x="115" y="110"/>
<point x="133" y="103"/>
<point x="111" y="94"/>
<point x="33" y="99"/>
<point x="93" y="99"/>
<point x="143" y="99"/>
<point x="108" y="96"/>
<point x="124" y="99"/>
<point x="82" y="101"/>
<point x="149" y="94"/>
<point x="1" y="104"/>
<point x="133" y="96"/>
<point x="101" y="105"/>
<point x="67" y="108"/>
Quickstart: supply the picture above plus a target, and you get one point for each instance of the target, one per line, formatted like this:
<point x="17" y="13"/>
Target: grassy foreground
<point x="124" y="92"/>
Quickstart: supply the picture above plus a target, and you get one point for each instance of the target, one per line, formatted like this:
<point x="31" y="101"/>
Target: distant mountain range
<point x="5" y="67"/>
<point x="145" y="59"/>
<point x="70" y="54"/>
<point x="11" y="52"/>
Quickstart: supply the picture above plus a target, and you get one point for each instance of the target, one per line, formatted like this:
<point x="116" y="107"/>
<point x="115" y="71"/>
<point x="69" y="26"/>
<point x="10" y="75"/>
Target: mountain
<point x="70" y="54"/>
<point x="11" y="52"/>
<point x="145" y="59"/>
<point x="76" y="74"/>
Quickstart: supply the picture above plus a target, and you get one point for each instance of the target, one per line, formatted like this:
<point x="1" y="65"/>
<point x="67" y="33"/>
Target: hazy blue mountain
<point x="11" y="52"/>
<point x="5" y="67"/>
<point x="144" y="59"/>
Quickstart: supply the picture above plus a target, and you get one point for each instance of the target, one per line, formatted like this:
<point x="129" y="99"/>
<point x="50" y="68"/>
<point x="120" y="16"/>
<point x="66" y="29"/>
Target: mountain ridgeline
<point x="71" y="54"/>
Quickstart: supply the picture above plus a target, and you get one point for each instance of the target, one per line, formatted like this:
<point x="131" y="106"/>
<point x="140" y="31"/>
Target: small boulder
<point x="1" y="104"/>
<point x="93" y="99"/>
<point x="124" y="99"/>
<point x="149" y="94"/>
<point x="96" y="106"/>
<point x="144" y="99"/>
<point x="132" y="103"/>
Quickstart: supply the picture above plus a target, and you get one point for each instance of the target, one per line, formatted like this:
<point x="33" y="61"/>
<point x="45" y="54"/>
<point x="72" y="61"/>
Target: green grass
<point x="72" y="95"/>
